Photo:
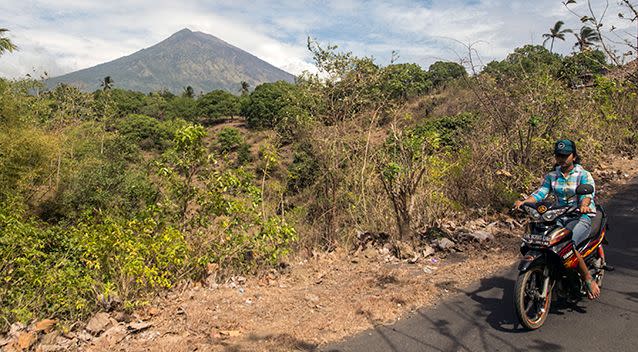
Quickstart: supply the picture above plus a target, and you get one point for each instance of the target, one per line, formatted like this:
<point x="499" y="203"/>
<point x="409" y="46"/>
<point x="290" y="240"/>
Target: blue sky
<point x="60" y="36"/>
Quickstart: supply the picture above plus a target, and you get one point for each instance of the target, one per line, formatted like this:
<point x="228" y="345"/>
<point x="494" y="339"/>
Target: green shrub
<point x="303" y="170"/>
<point x="229" y="139"/>
<point x="266" y="103"/>
<point x="441" y="72"/>
<point x="217" y="104"/>
<point x="132" y="256"/>
<point x="145" y="131"/>
<point x="41" y="271"/>
<point x="450" y="129"/>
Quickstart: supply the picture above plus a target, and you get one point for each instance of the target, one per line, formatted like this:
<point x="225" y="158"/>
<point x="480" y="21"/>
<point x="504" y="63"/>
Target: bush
<point x="581" y="67"/>
<point x="303" y="170"/>
<point x="42" y="274"/>
<point x="441" y="72"/>
<point x="450" y="129"/>
<point x="128" y="258"/>
<point x="229" y="139"/>
<point x="404" y="81"/>
<point x="52" y="271"/>
<point x="267" y="102"/>
<point x="145" y="131"/>
<point x="217" y="104"/>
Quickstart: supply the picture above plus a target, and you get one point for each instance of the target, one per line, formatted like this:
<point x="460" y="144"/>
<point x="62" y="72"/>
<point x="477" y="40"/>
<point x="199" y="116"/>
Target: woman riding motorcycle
<point x="562" y="182"/>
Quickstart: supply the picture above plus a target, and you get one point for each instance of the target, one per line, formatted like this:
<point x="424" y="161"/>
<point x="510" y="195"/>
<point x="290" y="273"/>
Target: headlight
<point x="533" y="213"/>
<point x="550" y="215"/>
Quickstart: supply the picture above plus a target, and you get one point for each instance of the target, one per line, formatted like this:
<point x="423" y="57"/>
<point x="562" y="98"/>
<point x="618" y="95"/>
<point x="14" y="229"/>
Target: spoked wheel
<point x="531" y="307"/>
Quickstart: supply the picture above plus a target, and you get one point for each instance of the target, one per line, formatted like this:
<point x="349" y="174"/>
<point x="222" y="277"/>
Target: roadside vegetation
<point x="108" y="197"/>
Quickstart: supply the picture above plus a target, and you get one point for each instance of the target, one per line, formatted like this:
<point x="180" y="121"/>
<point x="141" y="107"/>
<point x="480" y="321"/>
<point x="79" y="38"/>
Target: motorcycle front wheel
<point x="531" y="307"/>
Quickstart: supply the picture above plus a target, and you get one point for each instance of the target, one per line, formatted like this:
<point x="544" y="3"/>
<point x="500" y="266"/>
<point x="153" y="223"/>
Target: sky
<point x="61" y="36"/>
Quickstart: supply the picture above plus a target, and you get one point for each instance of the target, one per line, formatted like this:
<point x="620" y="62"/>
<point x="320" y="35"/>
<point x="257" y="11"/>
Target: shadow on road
<point x="500" y="310"/>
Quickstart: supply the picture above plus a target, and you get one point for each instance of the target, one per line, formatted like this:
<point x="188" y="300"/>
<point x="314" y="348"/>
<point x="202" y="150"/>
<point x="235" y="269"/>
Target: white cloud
<point x="66" y="35"/>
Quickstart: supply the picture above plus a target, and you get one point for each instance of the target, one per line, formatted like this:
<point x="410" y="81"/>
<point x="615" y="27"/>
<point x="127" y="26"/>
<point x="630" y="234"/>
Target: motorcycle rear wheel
<point x="532" y="309"/>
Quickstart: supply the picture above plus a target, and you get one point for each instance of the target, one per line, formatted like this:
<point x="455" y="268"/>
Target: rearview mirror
<point x="582" y="190"/>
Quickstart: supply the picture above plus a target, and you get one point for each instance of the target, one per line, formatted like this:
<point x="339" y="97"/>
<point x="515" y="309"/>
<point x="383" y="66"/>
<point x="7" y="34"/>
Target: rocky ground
<point x="310" y="300"/>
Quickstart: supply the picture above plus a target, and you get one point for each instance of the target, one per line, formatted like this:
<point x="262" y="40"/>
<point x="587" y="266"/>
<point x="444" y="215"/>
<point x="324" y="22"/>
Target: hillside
<point x="186" y="58"/>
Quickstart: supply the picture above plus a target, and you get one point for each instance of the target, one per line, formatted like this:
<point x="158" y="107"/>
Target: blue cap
<point x="564" y="147"/>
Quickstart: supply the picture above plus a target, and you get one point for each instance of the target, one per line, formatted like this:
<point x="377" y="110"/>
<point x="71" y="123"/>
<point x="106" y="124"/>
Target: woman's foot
<point x="593" y="291"/>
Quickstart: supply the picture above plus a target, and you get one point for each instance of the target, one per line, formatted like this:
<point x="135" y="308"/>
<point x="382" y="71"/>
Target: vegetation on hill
<point x="107" y="197"/>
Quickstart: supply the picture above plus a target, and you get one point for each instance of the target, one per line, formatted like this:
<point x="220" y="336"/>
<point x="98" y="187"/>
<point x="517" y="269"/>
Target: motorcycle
<point x="549" y="265"/>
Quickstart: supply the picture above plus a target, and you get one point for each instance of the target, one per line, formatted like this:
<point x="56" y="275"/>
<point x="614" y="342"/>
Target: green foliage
<point x="145" y="131"/>
<point x="157" y="105"/>
<point x="524" y="61"/>
<point x="99" y="173"/>
<point x="269" y="103"/>
<point x="182" y="108"/>
<point x="132" y="256"/>
<point x="304" y="169"/>
<point x="5" y="43"/>
<point x="25" y="158"/>
<point x="441" y="72"/>
<point x="580" y="67"/>
<point x="66" y="272"/>
<point x="218" y="103"/>
<point x="405" y="81"/>
<point x="229" y="139"/>
<point x="41" y="272"/>
<point x="450" y="129"/>
<point x="126" y="101"/>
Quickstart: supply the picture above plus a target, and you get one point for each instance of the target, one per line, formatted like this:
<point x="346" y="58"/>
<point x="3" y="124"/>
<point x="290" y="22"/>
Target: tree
<point x="586" y="38"/>
<point x="267" y="102"/>
<point x="555" y="33"/>
<point x="5" y="43"/>
<point x="441" y="72"/>
<point x="524" y="61"/>
<point x="245" y="88"/>
<point x="188" y="92"/>
<point x="107" y="83"/>
<point x="404" y="81"/>
<point x="218" y="103"/>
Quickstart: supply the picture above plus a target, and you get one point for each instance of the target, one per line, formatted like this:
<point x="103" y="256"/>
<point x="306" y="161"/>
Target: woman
<point x="562" y="182"/>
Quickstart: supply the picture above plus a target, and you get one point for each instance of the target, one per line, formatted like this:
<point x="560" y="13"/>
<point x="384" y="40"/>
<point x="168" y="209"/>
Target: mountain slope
<point x="186" y="58"/>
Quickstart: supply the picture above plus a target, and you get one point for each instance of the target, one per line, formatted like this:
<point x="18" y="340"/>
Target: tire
<point x="532" y="311"/>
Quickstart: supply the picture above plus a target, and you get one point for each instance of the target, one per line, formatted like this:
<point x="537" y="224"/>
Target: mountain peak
<point x="186" y="58"/>
<point x="184" y="31"/>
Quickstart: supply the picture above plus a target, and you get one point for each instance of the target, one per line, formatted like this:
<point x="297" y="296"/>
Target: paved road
<point x="482" y="318"/>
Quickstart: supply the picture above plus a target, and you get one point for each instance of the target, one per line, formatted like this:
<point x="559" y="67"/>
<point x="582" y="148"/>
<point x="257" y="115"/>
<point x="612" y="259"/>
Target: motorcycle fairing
<point x="569" y="259"/>
<point x="530" y="257"/>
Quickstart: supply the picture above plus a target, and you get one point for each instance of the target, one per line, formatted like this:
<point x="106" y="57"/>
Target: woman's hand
<point x="584" y="209"/>
<point x="518" y="204"/>
<point x="584" y="206"/>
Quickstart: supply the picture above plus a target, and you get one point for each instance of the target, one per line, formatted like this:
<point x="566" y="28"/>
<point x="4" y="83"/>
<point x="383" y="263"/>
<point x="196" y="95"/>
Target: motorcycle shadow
<point x="561" y="305"/>
<point x="496" y="298"/>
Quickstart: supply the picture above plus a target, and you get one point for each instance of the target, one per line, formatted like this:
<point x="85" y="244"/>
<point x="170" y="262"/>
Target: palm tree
<point x="107" y="83"/>
<point x="5" y="43"/>
<point x="555" y="33"/>
<point x="586" y="38"/>
<point x="245" y="88"/>
<point x="189" y="92"/>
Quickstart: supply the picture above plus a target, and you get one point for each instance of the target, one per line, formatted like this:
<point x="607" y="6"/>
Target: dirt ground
<point x="315" y="299"/>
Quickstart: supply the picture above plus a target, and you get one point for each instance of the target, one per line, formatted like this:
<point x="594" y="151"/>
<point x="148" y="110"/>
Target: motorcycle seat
<point x="596" y="222"/>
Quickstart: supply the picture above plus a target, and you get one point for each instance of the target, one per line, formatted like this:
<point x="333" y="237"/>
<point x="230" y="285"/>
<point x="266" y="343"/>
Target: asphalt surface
<point x="482" y="317"/>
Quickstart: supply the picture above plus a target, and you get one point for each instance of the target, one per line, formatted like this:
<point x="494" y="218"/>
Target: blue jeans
<point x="580" y="227"/>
